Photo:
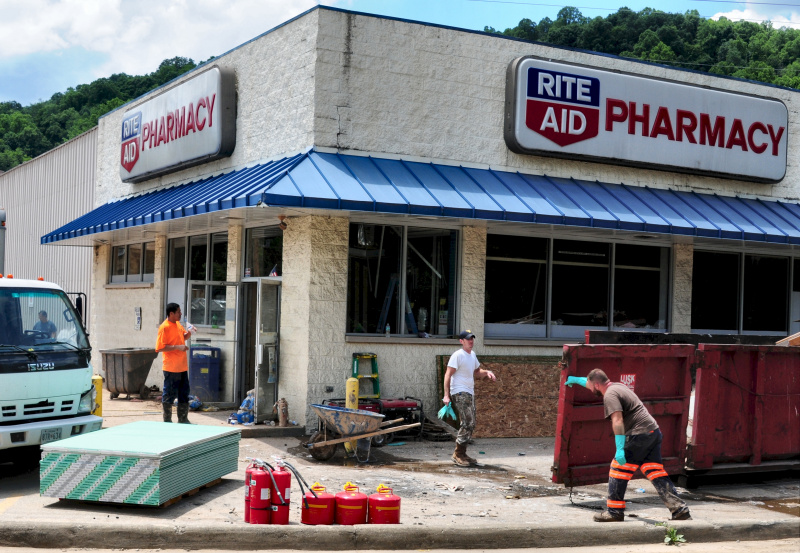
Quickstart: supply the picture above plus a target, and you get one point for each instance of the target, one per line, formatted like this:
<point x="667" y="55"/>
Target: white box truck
<point x="46" y="390"/>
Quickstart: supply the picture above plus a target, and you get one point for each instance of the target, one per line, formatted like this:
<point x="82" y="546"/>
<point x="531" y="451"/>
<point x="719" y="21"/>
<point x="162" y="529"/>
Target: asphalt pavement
<point x="508" y="501"/>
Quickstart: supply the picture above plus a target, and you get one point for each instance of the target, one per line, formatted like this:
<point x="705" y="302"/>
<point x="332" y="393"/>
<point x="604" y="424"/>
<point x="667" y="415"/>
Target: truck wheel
<point x="322" y="453"/>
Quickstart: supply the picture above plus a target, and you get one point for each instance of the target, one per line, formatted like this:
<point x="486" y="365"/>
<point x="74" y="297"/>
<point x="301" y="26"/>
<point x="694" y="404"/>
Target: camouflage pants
<point x="464" y="404"/>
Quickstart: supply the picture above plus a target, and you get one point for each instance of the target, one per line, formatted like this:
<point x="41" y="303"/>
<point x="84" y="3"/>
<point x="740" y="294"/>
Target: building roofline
<point x="450" y="28"/>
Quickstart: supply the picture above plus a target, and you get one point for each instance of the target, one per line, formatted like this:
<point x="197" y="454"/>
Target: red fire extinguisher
<point x="279" y="490"/>
<point x="247" y="474"/>
<point x="260" y="492"/>
<point x="351" y="506"/>
<point x="384" y="506"/>
<point x="319" y="508"/>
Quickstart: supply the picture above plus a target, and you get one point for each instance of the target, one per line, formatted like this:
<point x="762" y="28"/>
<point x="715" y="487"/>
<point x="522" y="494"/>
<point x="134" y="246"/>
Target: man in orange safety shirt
<point x="171" y="341"/>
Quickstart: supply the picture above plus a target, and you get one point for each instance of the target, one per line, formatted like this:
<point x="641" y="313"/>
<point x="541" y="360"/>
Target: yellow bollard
<point x="97" y="381"/>
<point x="351" y="402"/>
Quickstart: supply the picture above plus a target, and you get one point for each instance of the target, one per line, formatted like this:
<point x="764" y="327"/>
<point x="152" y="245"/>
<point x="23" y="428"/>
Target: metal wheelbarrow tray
<point x="345" y="425"/>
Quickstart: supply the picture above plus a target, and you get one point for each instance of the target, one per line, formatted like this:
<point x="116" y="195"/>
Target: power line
<point x="794" y="5"/>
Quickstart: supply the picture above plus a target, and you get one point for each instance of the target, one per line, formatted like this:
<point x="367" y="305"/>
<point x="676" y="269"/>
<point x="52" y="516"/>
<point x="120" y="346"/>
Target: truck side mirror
<point x="79" y="306"/>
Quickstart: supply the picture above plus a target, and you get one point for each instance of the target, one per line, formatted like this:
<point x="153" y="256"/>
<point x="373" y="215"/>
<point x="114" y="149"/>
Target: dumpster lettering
<point x="629" y="380"/>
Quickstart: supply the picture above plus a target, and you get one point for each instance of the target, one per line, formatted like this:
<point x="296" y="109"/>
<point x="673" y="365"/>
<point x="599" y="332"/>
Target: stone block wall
<point x="423" y="91"/>
<point x="113" y="316"/>
<point x="275" y="90"/>
<point x="313" y="308"/>
<point x="682" y="263"/>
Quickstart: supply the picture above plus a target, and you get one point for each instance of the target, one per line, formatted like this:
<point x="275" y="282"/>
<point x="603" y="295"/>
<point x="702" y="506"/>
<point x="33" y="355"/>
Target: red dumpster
<point x="660" y="376"/>
<point x="746" y="409"/>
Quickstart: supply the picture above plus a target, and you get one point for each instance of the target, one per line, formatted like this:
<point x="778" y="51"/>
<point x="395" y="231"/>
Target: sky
<point x="47" y="46"/>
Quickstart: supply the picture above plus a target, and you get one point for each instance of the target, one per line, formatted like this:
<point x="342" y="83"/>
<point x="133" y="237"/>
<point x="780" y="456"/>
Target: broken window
<point x="740" y="293"/>
<point x="578" y="290"/>
<point x="516" y="286"/>
<point x="402" y="278"/>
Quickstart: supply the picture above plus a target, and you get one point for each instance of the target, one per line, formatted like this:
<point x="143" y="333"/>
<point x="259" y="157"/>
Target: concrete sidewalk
<point x="507" y="502"/>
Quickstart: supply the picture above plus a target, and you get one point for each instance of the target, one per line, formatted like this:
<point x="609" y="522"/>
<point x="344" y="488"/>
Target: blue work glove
<point x="620" y="454"/>
<point x="576" y="380"/>
<point x="447" y="411"/>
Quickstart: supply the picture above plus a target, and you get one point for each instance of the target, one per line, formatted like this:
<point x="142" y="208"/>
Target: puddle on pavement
<point x="786" y="505"/>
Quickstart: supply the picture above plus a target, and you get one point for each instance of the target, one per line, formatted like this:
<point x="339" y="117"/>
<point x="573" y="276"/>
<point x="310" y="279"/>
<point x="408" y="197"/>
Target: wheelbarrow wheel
<point x="114" y="395"/>
<point x="321" y="453"/>
<point x="382" y="439"/>
<point x="144" y="392"/>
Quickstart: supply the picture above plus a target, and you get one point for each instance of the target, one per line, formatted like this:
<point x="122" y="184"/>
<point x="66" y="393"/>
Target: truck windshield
<point x="39" y="320"/>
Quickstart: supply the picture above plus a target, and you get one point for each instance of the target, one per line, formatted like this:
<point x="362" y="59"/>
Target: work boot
<point x="167" y="407"/>
<point x="460" y="455"/>
<point x="605" y="516"/>
<point x="183" y="413"/>
<point x="472" y="461"/>
<point x="682" y="514"/>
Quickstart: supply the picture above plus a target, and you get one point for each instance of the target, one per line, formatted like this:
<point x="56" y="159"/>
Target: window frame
<point x="402" y="332"/>
<point x="206" y="282"/>
<point x="665" y="288"/>
<point x="141" y="276"/>
<point x="742" y="254"/>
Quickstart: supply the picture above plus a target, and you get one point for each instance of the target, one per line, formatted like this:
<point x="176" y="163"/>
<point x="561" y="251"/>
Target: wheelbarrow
<point x="340" y="425"/>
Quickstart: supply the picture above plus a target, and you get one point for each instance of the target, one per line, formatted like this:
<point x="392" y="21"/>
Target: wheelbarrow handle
<point x="359" y="436"/>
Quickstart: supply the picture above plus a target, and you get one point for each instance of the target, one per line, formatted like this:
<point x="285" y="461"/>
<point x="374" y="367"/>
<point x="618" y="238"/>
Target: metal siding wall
<point x="41" y="195"/>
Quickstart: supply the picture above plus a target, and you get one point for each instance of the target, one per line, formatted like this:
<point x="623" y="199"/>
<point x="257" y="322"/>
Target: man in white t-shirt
<point x="459" y="387"/>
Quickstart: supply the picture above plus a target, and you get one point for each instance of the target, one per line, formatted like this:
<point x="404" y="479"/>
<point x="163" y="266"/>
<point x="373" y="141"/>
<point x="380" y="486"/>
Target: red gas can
<point x="351" y="506"/>
<point x="259" y="496"/>
<point x="384" y="507"/>
<point x="247" y="474"/>
<point x="280" y="496"/>
<point x="320" y="509"/>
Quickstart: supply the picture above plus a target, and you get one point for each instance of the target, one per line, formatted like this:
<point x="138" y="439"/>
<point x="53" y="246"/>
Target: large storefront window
<point x="133" y="263"/>
<point x="715" y="292"/>
<point x="736" y="293"/>
<point x="765" y="294"/>
<point x="516" y="286"/>
<point x="202" y="266"/>
<point x="263" y="252"/>
<point x="795" y="317"/>
<point x="579" y="290"/>
<point x="641" y="273"/>
<point x="403" y="278"/>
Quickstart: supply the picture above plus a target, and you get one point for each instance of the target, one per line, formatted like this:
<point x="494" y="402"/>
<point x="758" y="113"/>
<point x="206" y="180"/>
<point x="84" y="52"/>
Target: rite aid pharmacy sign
<point x="193" y="123"/>
<point x="571" y="111"/>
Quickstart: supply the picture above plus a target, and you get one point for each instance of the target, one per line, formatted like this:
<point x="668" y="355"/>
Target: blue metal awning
<point x="354" y="183"/>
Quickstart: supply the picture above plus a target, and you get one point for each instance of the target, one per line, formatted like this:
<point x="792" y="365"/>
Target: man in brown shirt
<point x="638" y="442"/>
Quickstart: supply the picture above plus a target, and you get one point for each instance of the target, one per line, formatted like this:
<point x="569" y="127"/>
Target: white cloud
<point x="137" y="35"/>
<point x="779" y="15"/>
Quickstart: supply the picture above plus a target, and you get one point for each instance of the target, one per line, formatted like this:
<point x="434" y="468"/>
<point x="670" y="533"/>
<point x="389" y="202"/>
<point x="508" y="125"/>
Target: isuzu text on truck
<point x="46" y="390"/>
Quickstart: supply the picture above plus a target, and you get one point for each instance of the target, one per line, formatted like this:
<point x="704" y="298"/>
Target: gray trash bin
<point x="127" y="369"/>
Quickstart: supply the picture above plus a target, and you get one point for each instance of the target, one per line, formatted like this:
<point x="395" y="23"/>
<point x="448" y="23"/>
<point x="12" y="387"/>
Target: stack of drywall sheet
<point x="144" y="463"/>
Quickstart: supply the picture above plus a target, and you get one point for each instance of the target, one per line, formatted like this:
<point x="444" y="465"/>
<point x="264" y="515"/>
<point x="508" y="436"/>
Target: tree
<point x="755" y="51"/>
<point x="26" y="132"/>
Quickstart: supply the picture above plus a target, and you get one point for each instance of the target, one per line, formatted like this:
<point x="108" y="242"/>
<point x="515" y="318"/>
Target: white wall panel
<point x="41" y="195"/>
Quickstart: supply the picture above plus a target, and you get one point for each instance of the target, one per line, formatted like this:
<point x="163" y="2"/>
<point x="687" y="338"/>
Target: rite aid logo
<point x="590" y="114"/>
<point x="562" y="107"/>
<point x="131" y="131"/>
<point x="191" y="123"/>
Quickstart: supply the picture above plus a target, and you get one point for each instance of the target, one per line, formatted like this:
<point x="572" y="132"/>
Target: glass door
<point x="215" y="349"/>
<point x="266" y="347"/>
